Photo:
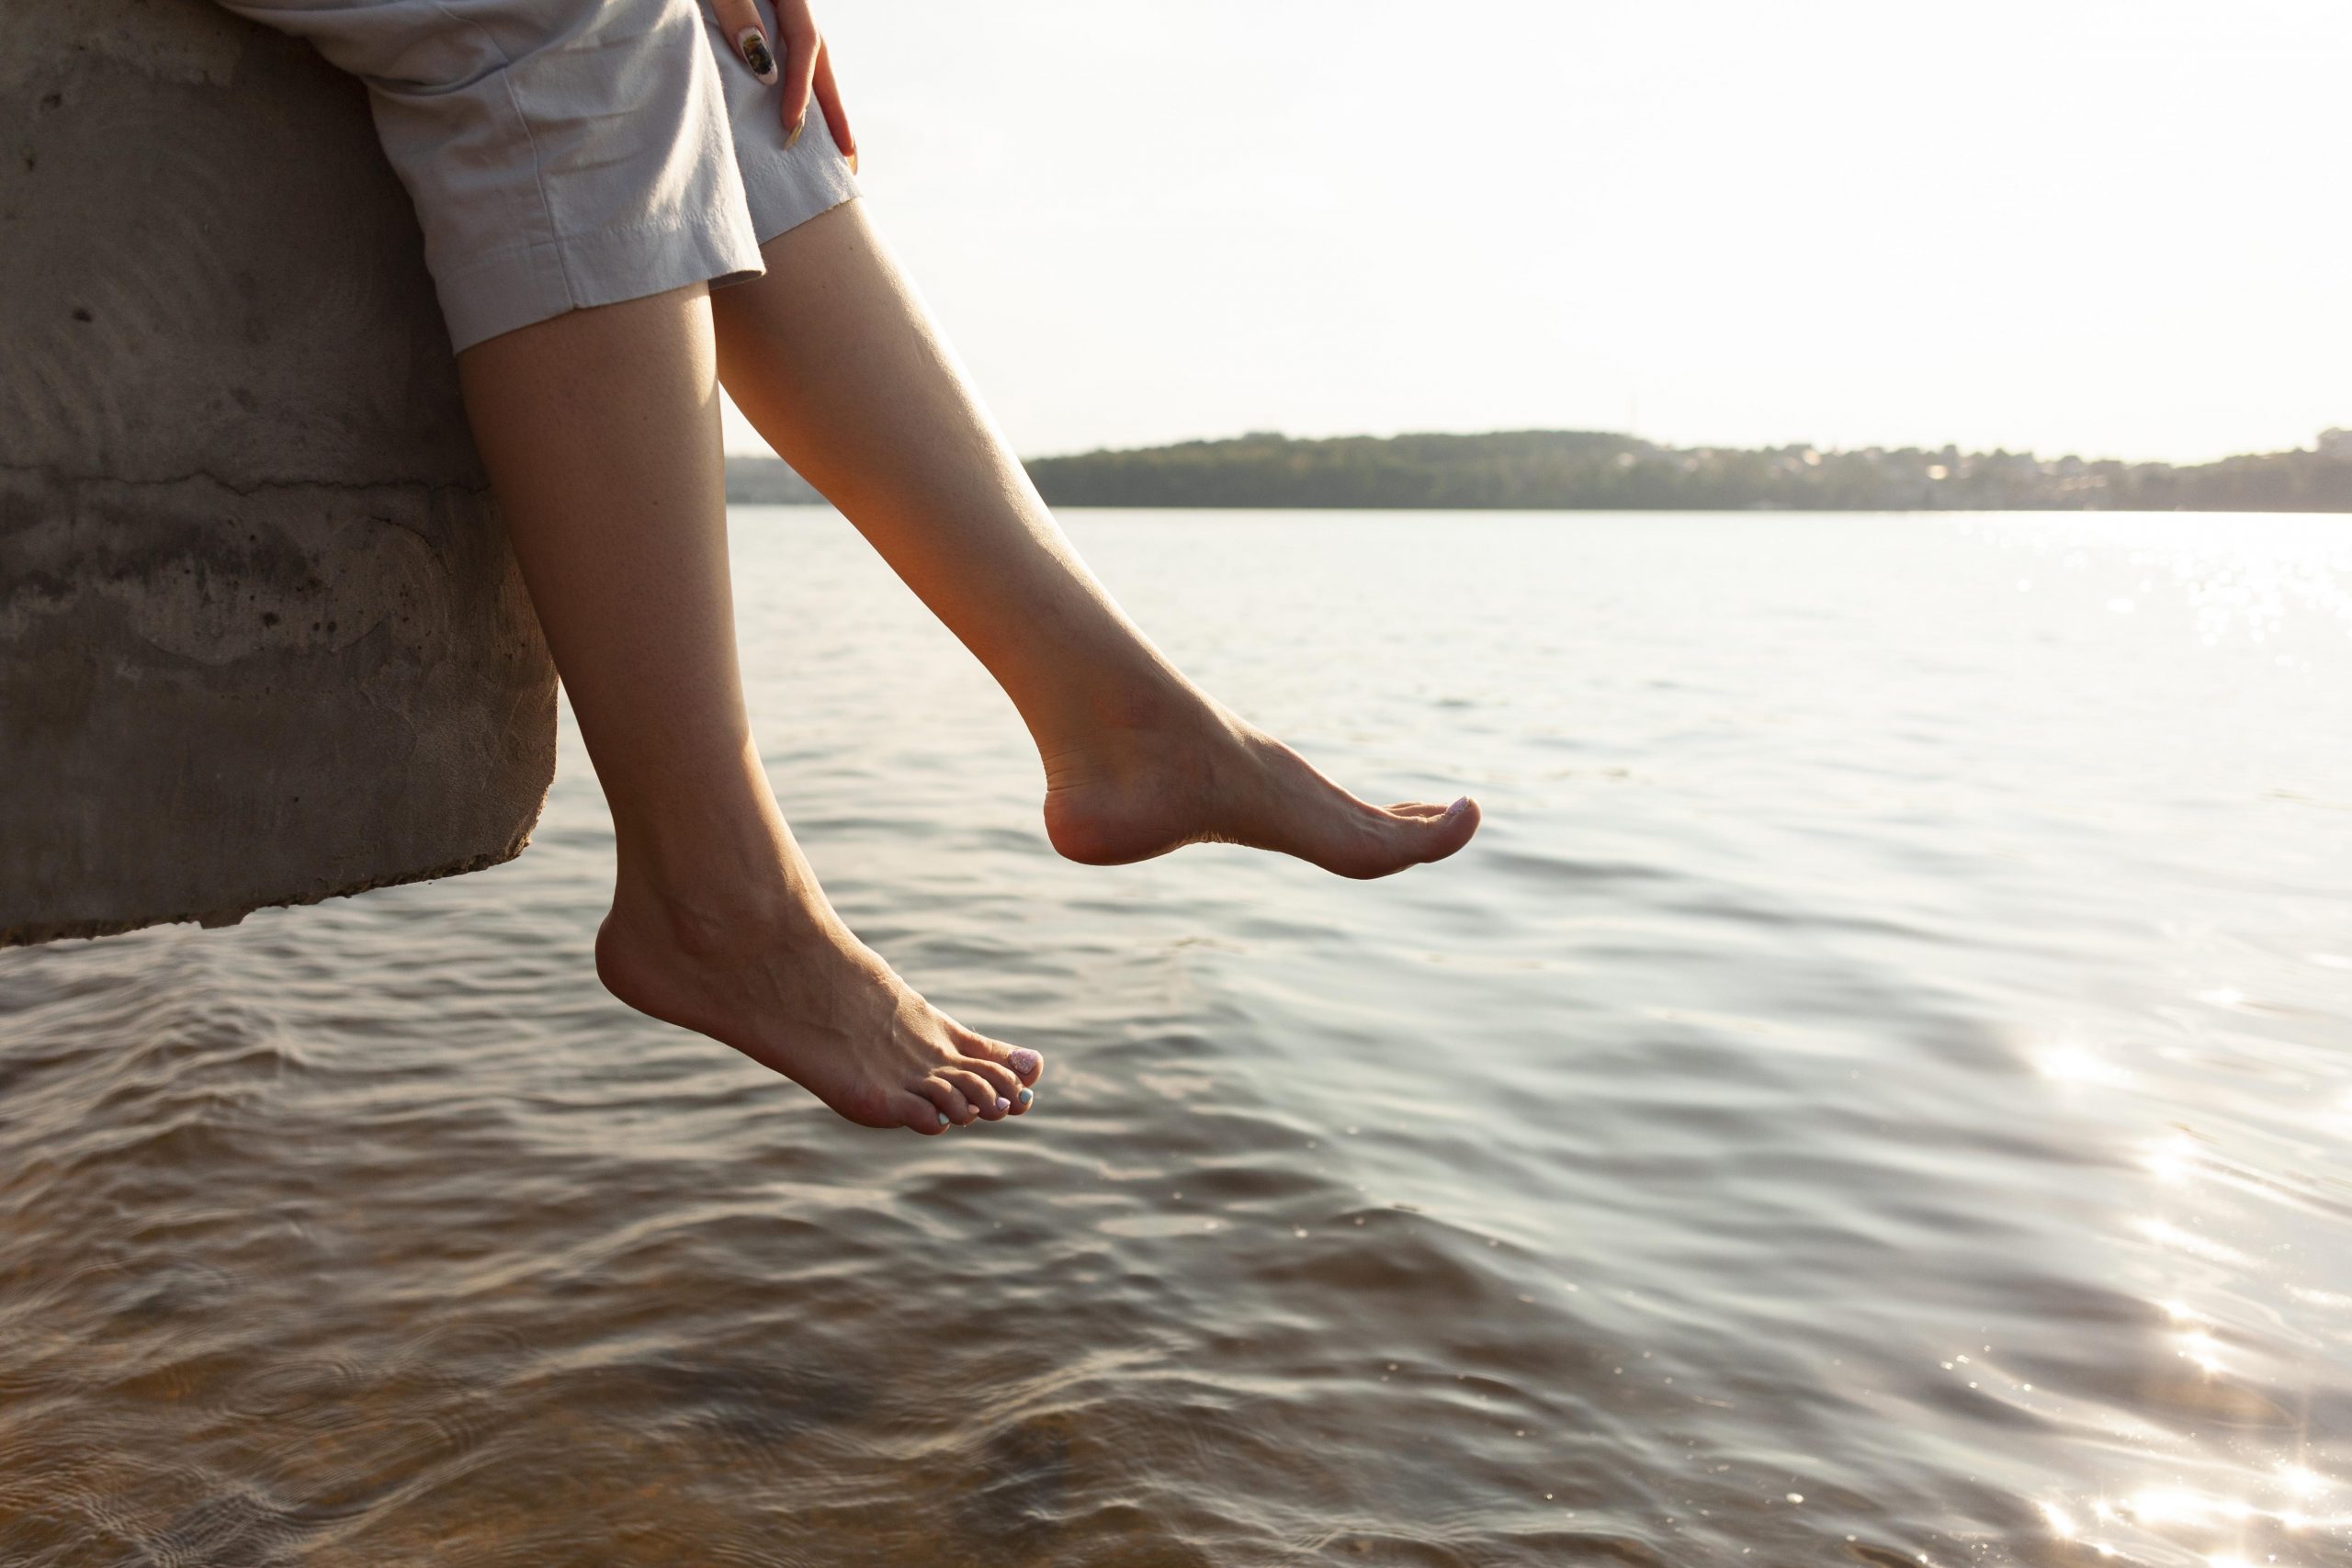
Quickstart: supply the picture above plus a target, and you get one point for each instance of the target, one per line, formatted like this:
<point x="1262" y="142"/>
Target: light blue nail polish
<point x="1027" y="1094"/>
<point x="942" y="1119"/>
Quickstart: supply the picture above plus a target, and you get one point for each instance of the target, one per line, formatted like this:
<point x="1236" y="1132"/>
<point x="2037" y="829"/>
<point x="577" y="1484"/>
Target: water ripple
<point x="1875" y="1093"/>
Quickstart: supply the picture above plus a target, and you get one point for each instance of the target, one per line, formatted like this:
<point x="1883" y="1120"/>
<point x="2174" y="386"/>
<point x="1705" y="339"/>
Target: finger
<point x="829" y="99"/>
<point x="801" y="47"/>
<point x="739" y="20"/>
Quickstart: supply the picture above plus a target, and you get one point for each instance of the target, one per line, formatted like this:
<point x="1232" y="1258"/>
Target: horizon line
<point x="2314" y="446"/>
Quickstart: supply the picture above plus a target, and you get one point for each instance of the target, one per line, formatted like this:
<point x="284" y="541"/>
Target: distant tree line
<point x="1584" y="470"/>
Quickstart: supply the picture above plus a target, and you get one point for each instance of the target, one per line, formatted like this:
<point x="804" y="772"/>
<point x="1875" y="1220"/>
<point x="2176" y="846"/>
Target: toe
<point x="1025" y="1066"/>
<point x="998" y="1078"/>
<point x="948" y="1100"/>
<point x="1415" y="832"/>
<point x="980" y="1094"/>
<point x="1448" y="831"/>
<point x="918" y="1113"/>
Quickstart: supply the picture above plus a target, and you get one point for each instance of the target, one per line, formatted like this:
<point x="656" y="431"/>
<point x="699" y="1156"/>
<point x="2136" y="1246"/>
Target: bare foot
<point x="803" y="997"/>
<point x="1133" y="791"/>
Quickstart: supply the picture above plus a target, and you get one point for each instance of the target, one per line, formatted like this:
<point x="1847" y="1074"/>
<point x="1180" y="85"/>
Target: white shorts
<point x="571" y="153"/>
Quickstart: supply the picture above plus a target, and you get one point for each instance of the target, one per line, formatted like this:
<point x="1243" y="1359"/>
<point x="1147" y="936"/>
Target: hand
<point x="807" y="69"/>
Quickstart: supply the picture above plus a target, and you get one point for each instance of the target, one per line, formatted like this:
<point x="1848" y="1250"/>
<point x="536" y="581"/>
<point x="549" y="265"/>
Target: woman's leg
<point x="600" y="430"/>
<point x="835" y="360"/>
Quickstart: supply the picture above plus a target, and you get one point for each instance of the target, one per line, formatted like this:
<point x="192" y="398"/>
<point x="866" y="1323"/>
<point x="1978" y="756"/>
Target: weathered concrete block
<point x="261" y="637"/>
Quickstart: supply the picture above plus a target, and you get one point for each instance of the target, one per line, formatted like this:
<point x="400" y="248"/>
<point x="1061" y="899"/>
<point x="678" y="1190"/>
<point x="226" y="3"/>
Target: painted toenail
<point x="1023" y="1061"/>
<point x="1026" y="1095"/>
<point x="1002" y="1105"/>
<point x="1458" y="807"/>
<point x="942" y="1119"/>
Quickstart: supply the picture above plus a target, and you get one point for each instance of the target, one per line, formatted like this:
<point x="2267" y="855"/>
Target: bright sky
<point x="2112" y="227"/>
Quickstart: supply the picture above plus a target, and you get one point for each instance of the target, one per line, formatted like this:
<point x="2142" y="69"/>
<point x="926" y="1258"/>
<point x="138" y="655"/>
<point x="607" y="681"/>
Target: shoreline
<point x="1596" y="471"/>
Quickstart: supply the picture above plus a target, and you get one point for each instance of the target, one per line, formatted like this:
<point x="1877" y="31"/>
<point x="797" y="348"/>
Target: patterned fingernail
<point x="1002" y="1105"/>
<point x="942" y="1119"/>
<point x="1025" y="1096"/>
<point x="752" y="45"/>
<point x="797" y="127"/>
<point x="1024" y="1062"/>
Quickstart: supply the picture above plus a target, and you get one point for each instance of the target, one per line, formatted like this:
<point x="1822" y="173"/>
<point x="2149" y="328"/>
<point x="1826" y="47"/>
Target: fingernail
<point x="1025" y="1096"/>
<point x="797" y="127"/>
<point x="1002" y="1105"/>
<point x="942" y="1119"/>
<point x="752" y="45"/>
<point x="1024" y="1061"/>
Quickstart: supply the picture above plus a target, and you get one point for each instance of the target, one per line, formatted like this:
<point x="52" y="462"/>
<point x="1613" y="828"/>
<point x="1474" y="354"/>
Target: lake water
<point x="1877" y="1091"/>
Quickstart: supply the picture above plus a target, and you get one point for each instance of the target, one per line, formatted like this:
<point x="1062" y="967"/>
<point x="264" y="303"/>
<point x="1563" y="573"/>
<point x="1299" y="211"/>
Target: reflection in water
<point x="1875" y="1093"/>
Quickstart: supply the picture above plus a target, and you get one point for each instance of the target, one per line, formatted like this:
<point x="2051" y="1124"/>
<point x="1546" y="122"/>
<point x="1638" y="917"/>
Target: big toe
<point x="1018" y="1064"/>
<point x="1412" y="834"/>
<point x="1449" y="829"/>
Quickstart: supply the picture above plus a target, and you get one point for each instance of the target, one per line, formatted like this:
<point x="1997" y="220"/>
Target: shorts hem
<point x="522" y="285"/>
<point x="786" y="187"/>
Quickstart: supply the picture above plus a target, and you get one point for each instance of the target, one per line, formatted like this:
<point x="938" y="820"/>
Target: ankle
<point x="1141" y="720"/>
<point x="715" y="915"/>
